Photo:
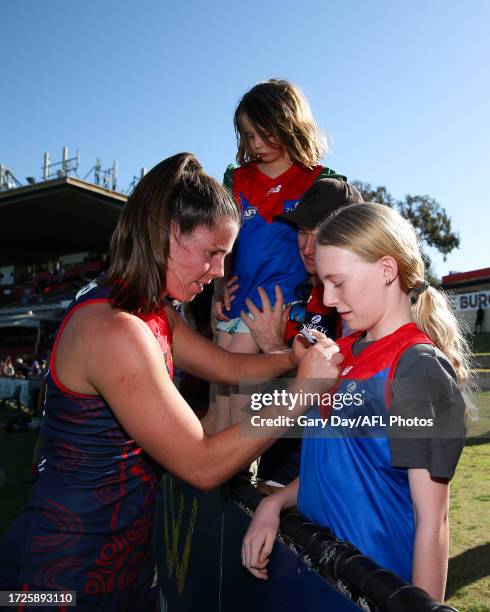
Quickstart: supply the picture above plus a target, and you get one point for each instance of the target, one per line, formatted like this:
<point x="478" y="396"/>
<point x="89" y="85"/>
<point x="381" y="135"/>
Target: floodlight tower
<point x="7" y="179"/>
<point x="68" y="165"/>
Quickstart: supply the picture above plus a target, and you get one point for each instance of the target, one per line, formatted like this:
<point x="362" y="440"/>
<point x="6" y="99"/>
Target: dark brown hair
<point x="278" y="108"/>
<point x="176" y="193"/>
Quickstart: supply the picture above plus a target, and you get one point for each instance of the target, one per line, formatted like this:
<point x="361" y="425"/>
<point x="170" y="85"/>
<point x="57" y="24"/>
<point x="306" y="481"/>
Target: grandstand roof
<point x="48" y="219"/>
<point x="462" y="279"/>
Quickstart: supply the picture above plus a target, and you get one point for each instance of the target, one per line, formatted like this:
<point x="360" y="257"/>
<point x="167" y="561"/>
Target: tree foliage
<point x="431" y="222"/>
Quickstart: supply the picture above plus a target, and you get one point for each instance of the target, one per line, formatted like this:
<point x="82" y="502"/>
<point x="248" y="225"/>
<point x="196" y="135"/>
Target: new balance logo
<point x="275" y="189"/>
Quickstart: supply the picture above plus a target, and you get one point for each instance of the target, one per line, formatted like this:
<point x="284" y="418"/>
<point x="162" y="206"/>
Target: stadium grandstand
<point x="55" y="239"/>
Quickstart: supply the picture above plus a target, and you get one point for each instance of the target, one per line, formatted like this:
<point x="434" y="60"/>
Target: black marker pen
<point x="306" y="334"/>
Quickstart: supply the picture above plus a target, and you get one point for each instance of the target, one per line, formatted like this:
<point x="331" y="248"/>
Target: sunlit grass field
<point x="469" y="567"/>
<point x="468" y="586"/>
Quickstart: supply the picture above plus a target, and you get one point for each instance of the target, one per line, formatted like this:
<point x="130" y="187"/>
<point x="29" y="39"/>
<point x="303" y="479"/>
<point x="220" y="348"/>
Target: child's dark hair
<point x="279" y="109"/>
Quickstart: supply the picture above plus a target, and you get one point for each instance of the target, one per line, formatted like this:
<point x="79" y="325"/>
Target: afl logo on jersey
<point x="351" y="387"/>
<point x="249" y="213"/>
<point x="316" y="319"/>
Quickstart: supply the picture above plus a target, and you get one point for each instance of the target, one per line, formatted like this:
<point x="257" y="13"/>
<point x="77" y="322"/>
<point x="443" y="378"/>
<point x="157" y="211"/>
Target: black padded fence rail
<point x="358" y="577"/>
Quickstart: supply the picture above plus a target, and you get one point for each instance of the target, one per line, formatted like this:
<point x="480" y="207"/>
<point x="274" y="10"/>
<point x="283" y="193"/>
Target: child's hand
<point x="259" y="539"/>
<point x="223" y="297"/>
<point x="268" y="325"/>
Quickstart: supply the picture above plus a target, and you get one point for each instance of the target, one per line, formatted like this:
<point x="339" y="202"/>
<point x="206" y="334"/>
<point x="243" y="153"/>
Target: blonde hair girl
<point x="377" y="230"/>
<point x="408" y="361"/>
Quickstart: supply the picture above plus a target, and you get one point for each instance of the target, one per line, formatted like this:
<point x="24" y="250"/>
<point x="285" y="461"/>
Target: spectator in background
<point x="8" y="367"/>
<point x="35" y="370"/>
<point x="21" y="369"/>
<point x="480" y="315"/>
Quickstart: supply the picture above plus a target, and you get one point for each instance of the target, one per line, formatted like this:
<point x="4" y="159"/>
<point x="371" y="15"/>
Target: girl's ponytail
<point x="434" y="315"/>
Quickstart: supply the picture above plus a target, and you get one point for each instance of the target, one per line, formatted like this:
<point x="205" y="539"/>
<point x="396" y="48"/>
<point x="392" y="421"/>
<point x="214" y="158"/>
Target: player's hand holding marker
<point x="319" y="362"/>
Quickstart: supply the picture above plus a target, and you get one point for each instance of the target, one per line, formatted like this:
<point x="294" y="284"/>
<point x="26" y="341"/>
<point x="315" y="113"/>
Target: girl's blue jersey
<point x="347" y="481"/>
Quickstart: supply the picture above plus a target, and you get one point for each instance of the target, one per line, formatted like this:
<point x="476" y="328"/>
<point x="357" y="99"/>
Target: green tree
<point x="431" y="222"/>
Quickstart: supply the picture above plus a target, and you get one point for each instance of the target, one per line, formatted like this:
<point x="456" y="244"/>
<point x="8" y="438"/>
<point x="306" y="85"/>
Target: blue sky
<point x="401" y="88"/>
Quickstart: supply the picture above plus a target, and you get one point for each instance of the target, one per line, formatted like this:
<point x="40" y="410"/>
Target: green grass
<point x="480" y="343"/>
<point x="479" y="430"/>
<point x="15" y="458"/>
<point x="468" y="587"/>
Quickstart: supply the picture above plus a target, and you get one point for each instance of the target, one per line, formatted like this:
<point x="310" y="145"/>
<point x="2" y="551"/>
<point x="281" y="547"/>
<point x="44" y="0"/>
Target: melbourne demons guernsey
<point x="347" y="482"/>
<point x="88" y="523"/>
<point x="266" y="251"/>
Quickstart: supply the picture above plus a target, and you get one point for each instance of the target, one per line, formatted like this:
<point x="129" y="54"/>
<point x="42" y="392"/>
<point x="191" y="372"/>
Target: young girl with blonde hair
<point x="408" y="360"/>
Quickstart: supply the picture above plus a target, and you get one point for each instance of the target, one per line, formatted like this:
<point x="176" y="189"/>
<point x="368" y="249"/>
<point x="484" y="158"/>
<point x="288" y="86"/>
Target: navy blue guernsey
<point x="87" y="525"/>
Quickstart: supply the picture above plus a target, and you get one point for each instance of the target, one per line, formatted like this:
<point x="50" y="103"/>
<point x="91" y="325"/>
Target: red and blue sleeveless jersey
<point x="88" y="523"/>
<point x="266" y="251"/>
<point x="347" y="482"/>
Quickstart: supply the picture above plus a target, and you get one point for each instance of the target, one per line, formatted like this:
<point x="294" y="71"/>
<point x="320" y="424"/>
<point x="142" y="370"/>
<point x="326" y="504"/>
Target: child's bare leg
<point x="241" y="343"/>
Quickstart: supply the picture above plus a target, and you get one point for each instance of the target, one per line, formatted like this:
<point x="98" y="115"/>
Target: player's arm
<point x="124" y="363"/>
<point x="198" y="356"/>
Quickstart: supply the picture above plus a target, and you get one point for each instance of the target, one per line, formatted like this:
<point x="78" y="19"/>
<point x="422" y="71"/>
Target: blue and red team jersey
<point x="88" y="524"/>
<point x="266" y="251"/>
<point x="316" y="316"/>
<point x="347" y="481"/>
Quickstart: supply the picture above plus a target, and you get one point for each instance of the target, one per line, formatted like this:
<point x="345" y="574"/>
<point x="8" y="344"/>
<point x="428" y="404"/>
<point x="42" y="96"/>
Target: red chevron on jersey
<point x="269" y="196"/>
<point x="382" y="354"/>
